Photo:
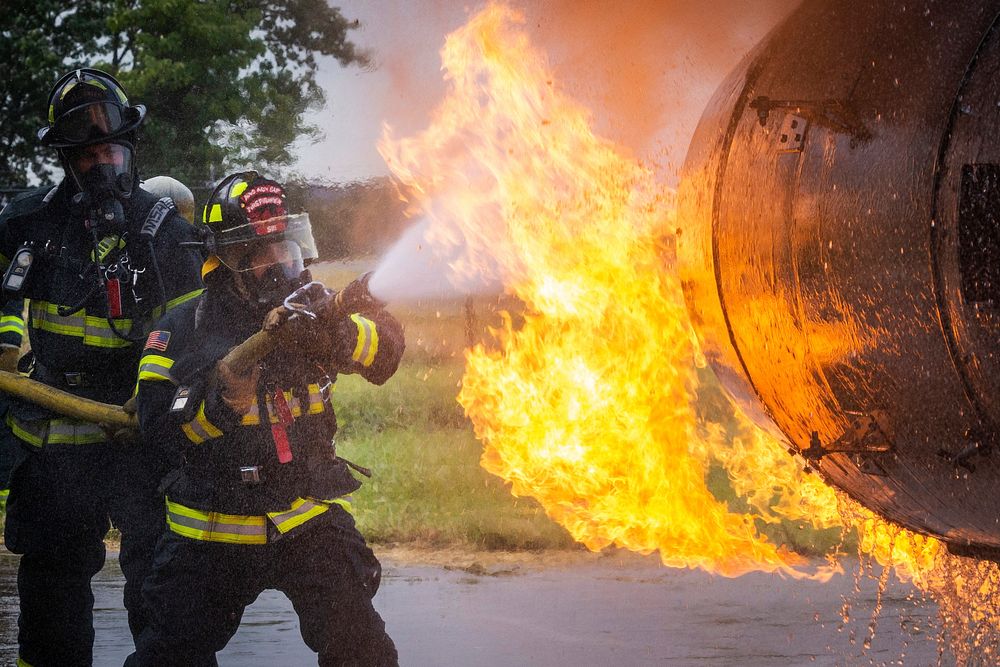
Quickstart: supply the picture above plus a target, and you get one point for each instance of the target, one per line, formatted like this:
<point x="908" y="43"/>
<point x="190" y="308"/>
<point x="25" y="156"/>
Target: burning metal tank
<point x="840" y="250"/>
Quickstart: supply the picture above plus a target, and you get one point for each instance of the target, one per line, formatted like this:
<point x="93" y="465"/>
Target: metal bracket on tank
<point x="981" y="444"/>
<point x="831" y="114"/>
<point x="866" y="434"/>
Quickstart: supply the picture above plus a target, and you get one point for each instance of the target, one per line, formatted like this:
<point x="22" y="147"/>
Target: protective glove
<point x="237" y="390"/>
<point x="119" y="435"/>
<point x="344" y="338"/>
<point x="8" y="358"/>
<point x="275" y="318"/>
<point x="356" y="296"/>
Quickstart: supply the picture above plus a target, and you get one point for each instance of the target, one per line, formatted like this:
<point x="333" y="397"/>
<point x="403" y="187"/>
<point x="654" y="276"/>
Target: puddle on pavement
<point x="601" y="613"/>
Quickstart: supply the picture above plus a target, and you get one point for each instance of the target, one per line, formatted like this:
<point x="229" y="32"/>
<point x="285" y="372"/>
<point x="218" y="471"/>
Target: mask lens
<point x="83" y="160"/>
<point x="272" y="272"/>
<point x="284" y="255"/>
<point x="90" y="121"/>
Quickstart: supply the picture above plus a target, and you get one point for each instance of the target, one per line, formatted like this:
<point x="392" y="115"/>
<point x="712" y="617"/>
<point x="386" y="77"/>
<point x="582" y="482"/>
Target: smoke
<point x="645" y="69"/>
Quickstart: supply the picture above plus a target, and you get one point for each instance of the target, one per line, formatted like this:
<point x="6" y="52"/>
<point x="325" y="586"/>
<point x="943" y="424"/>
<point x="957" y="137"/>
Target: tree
<point x="227" y="82"/>
<point x="36" y="38"/>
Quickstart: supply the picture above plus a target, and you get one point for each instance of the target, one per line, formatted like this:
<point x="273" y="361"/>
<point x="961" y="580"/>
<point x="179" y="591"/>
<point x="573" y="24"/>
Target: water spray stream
<point x="415" y="268"/>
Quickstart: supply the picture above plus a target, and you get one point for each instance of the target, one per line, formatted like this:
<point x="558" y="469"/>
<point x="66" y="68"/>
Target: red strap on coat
<point x="114" y="297"/>
<point x="278" y="431"/>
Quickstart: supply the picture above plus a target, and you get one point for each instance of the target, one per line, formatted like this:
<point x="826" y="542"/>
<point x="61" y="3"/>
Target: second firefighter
<point x="262" y="500"/>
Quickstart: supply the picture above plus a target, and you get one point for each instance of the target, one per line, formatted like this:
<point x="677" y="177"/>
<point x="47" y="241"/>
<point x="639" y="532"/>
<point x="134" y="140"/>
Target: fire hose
<point x="65" y="403"/>
<point x="312" y="301"/>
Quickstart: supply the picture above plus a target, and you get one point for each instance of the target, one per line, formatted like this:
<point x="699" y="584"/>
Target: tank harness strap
<point x="160" y="211"/>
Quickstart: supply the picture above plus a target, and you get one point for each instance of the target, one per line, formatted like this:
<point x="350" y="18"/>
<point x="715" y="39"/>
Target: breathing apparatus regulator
<point x="94" y="129"/>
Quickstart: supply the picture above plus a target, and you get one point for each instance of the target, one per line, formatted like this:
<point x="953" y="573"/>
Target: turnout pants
<point x="62" y="500"/>
<point x="198" y="591"/>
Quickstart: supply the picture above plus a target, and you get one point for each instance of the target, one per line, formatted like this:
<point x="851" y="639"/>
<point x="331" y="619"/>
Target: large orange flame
<point x="589" y="405"/>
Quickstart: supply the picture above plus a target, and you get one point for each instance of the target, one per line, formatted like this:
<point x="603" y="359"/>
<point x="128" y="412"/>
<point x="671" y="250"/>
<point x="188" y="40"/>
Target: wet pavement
<point x="590" y="610"/>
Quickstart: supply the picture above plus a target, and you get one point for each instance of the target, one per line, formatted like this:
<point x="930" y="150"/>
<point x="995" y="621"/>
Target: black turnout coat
<point x="231" y="475"/>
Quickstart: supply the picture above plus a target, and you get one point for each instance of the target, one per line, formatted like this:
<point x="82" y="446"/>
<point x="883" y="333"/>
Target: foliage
<point x="227" y="82"/>
<point x="36" y="38"/>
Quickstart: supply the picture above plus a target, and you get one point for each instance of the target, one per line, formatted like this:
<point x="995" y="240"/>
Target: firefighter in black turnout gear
<point x="97" y="259"/>
<point x="262" y="501"/>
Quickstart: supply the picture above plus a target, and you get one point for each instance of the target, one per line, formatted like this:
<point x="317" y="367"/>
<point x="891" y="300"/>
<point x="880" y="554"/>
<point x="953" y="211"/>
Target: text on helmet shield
<point x="265" y="208"/>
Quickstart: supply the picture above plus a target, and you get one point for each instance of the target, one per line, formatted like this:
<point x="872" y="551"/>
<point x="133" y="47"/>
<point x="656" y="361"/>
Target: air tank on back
<point x="839" y="247"/>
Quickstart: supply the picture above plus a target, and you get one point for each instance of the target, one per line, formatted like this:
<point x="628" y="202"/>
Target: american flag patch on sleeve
<point x="157" y="341"/>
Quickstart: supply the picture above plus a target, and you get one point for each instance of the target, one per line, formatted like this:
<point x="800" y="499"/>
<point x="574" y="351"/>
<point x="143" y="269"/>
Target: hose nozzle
<point x="356" y="296"/>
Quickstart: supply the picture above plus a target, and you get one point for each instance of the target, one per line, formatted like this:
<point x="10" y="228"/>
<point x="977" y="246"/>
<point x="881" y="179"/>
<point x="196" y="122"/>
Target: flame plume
<point x="589" y="406"/>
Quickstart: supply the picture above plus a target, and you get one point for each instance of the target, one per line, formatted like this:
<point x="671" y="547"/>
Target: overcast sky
<point x="646" y="68"/>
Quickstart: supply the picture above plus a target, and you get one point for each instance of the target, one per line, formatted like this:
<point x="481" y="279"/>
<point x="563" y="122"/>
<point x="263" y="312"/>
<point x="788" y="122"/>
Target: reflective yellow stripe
<point x="316" y="406"/>
<point x="240" y="529"/>
<point x="346" y="502"/>
<point x="215" y="526"/>
<point x="239" y="187"/>
<point x="69" y="86"/>
<point x="70" y="432"/>
<point x="154" y="367"/>
<point x="215" y="213"/>
<point x="11" y="324"/>
<point x="367" y="345"/>
<point x="39" y="432"/>
<point x="28" y="437"/>
<point x="95" y="331"/>
<point x="252" y="415"/>
<point x="301" y="511"/>
<point x="106" y="245"/>
<point x="21" y="662"/>
<point x="199" y="429"/>
<point x="176" y="301"/>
